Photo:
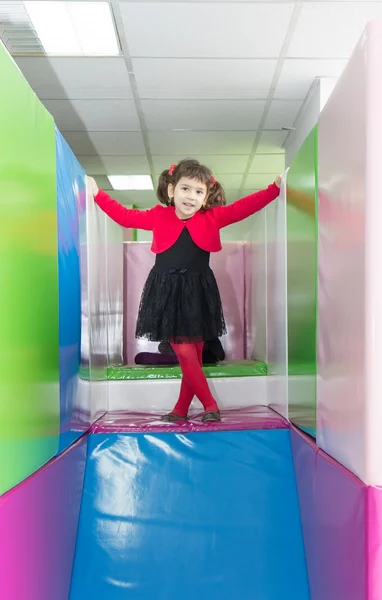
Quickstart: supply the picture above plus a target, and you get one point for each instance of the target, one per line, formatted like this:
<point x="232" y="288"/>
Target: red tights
<point x="194" y="381"/>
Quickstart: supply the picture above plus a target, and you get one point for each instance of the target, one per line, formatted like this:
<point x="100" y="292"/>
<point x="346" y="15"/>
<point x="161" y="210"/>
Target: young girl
<point x="180" y="302"/>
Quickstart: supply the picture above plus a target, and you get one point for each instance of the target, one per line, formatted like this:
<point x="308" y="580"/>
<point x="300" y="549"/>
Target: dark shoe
<point x="173" y="418"/>
<point x="211" y="416"/>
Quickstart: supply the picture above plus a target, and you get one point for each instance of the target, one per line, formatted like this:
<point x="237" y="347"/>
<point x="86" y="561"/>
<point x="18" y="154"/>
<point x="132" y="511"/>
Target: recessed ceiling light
<point x="131" y="182"/>
<point x="74" y="28"/>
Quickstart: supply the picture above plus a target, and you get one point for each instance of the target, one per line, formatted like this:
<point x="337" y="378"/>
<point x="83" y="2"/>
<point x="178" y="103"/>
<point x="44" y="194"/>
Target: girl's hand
<point x="93" y="186"/>
<point x="278" y="180"/>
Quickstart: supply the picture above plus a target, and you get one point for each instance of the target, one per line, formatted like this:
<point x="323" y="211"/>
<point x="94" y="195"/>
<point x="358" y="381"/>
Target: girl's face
<point x="189" y="196"/>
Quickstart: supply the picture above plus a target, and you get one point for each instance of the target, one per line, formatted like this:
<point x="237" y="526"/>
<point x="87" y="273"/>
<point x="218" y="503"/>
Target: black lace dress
<point x="180" y="301"/>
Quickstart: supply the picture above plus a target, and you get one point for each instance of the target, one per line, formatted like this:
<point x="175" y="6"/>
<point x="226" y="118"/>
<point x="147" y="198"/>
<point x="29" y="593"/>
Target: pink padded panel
<point x="228" y="266"/>
<point x="138" y="260"/>
<point x="254" y="302"/>
<point x="38" y="524"/>
<point x="236" y="419"/>
<point x="349" y="382"/>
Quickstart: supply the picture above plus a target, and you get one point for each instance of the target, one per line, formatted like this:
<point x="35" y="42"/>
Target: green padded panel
<point x="302" y="369"/>
<point x="29" y="344"/>
<point x="224" y="369"/>
<point x="302" y="280"/>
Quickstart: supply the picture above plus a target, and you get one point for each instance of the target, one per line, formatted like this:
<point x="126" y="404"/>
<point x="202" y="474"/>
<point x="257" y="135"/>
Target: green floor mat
<point x="224" y="369"/>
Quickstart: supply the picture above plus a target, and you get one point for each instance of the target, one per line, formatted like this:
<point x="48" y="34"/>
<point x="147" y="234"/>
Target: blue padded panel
<point x="190" y="517"/>
<point x="70" y="188"/>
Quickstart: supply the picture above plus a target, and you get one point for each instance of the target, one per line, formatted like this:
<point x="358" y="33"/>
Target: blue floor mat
<point x="190" y="517"/>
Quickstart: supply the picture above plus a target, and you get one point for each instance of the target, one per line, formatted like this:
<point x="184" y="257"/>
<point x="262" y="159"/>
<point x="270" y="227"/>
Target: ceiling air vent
<point x="16" y="30"/>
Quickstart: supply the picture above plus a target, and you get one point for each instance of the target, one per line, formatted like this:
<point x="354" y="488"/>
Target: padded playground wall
<point x="338" y="533"/>
<point x="47" y="240"/>
<point x="255" y="289"/>
<point x="38" y="524"/>
<point x="301" y="251"/>
<point x="334" y="211"/>
<point x="276" y="303"/>
<point x="90" y="297"/>
<point x="71" y="207"/>
<point x="349" y="386"/>
<point x="29" y="365"/>
<point x="53" y="241"/>
<point x="339" y="479"/>
<point x="102" y="295"/>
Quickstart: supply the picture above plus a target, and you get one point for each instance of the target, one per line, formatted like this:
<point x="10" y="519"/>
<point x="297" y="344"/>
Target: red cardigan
<point x="203" y="226"/>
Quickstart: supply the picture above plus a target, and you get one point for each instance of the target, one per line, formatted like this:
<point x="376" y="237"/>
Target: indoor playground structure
<point x="282" y="499"/>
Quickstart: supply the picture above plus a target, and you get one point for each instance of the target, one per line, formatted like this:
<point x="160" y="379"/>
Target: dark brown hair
<point x="192" y="169"/>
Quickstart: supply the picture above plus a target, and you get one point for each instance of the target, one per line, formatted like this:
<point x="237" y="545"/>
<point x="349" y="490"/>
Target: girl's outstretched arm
<point x="241" y="209"/>
<point x="127" y="217"/>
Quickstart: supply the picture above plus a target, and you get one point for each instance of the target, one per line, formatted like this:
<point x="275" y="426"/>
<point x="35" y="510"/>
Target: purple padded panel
<point x="374" y="543"/>
<point x="332" y="506"/>
<point x="38" y="525"/>
<point x="256" y="417"/>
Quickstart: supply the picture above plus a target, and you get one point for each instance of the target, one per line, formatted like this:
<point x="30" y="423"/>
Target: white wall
<point x="349" y="382"/>
<point x="314" y="103"/>
<point x="144" y="236"/>
<point x="95" y="303"/>
<point x="102" y="302"/>
<point x="276" y="300"/>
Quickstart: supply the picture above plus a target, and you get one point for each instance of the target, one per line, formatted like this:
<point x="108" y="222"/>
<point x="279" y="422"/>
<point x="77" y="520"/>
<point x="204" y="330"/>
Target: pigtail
<point x="216" y="196"/>
<point x="162" y="190"/>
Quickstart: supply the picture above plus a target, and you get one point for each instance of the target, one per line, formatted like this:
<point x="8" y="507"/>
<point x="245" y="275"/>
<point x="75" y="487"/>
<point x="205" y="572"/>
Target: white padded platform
<point x="162" y="395"/>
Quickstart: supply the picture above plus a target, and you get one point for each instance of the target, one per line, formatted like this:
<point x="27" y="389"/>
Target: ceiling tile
<point x="105" y="143"/>
<point x="268" y="163"/>
<point x="271" y="142"/>
<point x="94" y="115"/>
<point x="201" y="142"/>
<point x="253" y="31"/>
<point x="260" y="181"/>
<point x="232" y="195"/>
<point x="331" y="29"/>
<point x="92" y="164"/>
<point x="140" y="198"/>
<point x="235" y="163"/>
<point x="62" y="77"/>
<point x="282" y="113"/>
<point x="202" y="78"/>
<point x="202" y="115"/>
<point x="230" y="181"/>
<point x="297" y="75"/>
<point x="233" y="3"/>
<point x="115" y="165"/>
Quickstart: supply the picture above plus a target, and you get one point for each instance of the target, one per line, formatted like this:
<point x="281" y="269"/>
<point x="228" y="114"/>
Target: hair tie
<point x="213" y="181"/>
<point x="171" y="169"/>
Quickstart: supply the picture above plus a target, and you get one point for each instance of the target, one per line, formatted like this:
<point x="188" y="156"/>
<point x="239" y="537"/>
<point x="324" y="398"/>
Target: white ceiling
<point x="212" y="79"/>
